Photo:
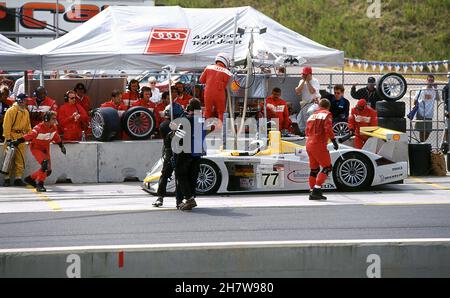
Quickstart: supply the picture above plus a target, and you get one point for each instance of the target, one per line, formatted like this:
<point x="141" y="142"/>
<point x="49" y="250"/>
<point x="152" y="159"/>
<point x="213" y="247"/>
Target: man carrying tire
<point x="369" y="93"/>
<point x="319" y="130"/>
<point x="361" y="115"/>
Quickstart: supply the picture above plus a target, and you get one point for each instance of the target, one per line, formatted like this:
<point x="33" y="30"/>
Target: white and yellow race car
<point x="284" y="166"/>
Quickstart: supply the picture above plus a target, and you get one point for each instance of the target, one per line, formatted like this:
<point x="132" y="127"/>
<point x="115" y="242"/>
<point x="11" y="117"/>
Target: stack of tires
<point x="138" y="123"/>
<point x="391" y="112"/>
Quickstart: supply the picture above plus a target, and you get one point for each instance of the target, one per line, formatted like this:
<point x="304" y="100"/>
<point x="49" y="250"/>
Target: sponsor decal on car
<point x="298" y="176"/>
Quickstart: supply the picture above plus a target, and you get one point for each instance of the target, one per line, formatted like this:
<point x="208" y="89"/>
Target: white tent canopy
<point x="16" y="57"/>
<point x="127" y="37"/>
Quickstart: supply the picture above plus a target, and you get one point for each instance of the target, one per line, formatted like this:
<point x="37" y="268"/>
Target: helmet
<point x="222" y="57"/>
<point x="21" y="98"/>
<point x="307" y="70"/>
<point x="177" y="111"/>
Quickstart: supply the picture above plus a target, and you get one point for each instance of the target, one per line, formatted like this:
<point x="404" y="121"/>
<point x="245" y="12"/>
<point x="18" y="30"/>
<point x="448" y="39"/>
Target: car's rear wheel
<point x="354" y="172"/>
<point x="209" y="178"/>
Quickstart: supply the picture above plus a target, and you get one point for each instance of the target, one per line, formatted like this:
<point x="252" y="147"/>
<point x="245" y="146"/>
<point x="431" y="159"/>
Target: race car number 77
<point x="270" y="179"/>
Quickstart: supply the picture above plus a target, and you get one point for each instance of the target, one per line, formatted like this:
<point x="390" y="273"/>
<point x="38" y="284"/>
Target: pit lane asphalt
<point x="121" y="214"/>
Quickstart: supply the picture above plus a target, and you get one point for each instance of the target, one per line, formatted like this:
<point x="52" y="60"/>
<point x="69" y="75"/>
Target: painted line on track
<point x="221" y="245"/>
<point x="435" y="185"/>
<point x="53" y="205"/>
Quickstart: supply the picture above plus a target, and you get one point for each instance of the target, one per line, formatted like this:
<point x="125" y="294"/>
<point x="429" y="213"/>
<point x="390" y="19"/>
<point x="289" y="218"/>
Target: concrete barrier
<point x="122" y="160"/>
<point x="346" y="258"/>
<point x="97" y="162"/>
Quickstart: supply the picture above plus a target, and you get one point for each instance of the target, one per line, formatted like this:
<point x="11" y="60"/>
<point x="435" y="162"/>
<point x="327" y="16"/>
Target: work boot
<point x="19" y="182"/>
<point x="159" y="202"/>
<point x="188" y="204"/>
<point x="6" y="182"/>
<point x="40" y="187"/>
<point x="316" y="195"/>
<point x="30" y="181"/>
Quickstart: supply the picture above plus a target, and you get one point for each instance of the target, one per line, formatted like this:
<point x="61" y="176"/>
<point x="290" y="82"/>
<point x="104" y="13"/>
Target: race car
<point x="284" y="166"/>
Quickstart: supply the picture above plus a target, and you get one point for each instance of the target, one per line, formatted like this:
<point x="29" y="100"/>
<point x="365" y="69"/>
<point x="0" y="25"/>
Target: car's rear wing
<point x="384" y="133"/>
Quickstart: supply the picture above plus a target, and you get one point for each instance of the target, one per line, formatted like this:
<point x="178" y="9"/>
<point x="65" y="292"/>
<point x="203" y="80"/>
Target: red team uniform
<point x="360" y="118"/>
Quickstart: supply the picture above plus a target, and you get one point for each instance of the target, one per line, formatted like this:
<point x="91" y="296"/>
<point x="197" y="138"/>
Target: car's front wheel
<point x="209" y="178"/>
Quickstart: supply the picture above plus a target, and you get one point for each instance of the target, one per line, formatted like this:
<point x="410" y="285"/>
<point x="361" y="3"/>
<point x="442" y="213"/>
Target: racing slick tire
<point x="398" y="124"/>
<point x="209" y="178"/>
<point x="392" y="87"/>
<point x="353" y="173"/>
<point x="391" y="109"/>
<point x="139" y="123"/>
<point x="105" y="123"/>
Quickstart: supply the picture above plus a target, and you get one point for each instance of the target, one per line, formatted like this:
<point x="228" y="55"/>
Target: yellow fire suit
<point x="15" y="125"/>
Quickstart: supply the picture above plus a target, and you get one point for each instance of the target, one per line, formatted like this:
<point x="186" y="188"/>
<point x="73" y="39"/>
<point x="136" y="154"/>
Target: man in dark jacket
<point x="167" y="134"/>
<point x="369" y="93"/>
<point x="187" y="164"/>
<point x="340" y="106"/>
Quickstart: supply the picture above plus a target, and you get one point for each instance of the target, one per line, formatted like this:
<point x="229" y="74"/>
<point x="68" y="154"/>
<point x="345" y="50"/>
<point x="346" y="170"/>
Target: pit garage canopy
<point x="128" y="37"/>
<point x="16" y="57"/>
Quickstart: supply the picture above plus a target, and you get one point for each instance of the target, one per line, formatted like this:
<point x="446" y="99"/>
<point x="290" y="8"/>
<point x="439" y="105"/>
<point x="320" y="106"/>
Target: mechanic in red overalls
<point x="319" y="129"/>
<point x="144" y="101"/>
<point x="216" y="78"/>
<point x="183" y="98"/>
<point x="39" y="104"/>
<point x="132" y="95"/>
<point x="361" y="115"/>
<point x="277" y="109"/>
<point x="72" y="118"/>
<point x="115" y="102"/>
<point x="40" y="138"/>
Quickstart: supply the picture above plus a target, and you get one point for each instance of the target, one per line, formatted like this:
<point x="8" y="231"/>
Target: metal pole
<point x="57" y="19"/>
<point x="170" y="95"/>
<point x="234" y="38"/>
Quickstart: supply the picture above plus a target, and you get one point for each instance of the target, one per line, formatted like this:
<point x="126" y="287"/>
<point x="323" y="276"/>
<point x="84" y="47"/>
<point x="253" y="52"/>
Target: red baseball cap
<point x="307" y="70"/>
<point x="361" y="103"/>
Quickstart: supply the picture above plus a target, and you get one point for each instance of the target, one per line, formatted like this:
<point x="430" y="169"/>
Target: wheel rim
<point x="353" y="172"/>
<point x="97" y="125"/>
<point x="341" y="129"/>
<point x="139" y="123"/>
<point x="207" y="178"/>
<point x="392" y="87"/>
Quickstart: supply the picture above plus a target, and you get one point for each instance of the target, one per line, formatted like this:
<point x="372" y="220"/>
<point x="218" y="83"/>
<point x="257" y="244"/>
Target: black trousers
<point x="186" y="173"/>
<point x="166" y="173"/>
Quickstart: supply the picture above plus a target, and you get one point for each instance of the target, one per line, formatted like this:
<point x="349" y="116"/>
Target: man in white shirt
<point x="156" y="94"/>
<point x="425" y="100"/>
<point x="308" y="88"/>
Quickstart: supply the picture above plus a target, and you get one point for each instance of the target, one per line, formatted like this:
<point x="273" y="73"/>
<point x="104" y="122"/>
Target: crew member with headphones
<point x="15" y="125"/>
<point x="39" y="104"/>
<point x="82" y="98"/>
<point x="144" y="99"/>
<point x="72" y="118"/>
<point x="40" y="138"/>
<point x="132" y="95"/>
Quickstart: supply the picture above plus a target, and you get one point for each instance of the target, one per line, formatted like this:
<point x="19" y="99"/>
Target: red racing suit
<point x="71" y="128"/>
<point x="40" y="138"/>
<point x="183" y="100"/>
<point x="37" y="110"/>
<point x="85" y="102"/>
<point x="280" y="111"/>
<point x="216" y="79"/>
<point x="121" y="108"/>
<point x="129" y="98"/>
<point x="358" y="119"/>
<point x="319" y="129"/>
